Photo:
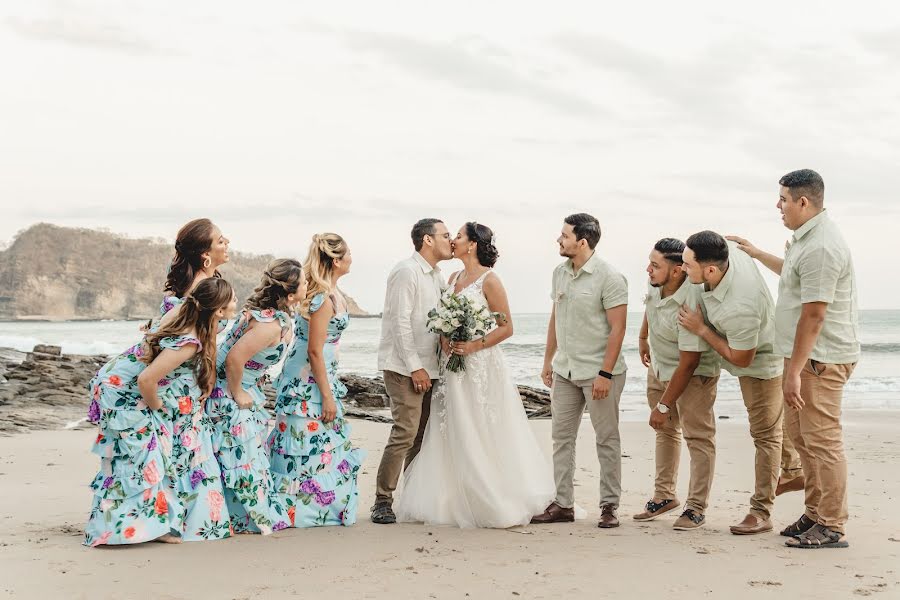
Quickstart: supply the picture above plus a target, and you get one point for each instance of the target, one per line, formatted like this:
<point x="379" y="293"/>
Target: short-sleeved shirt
<point x="581" y="300"/>
<point x="668" y="339"/>
<point x="741" y="310"/>
<point x="818" y="268"/>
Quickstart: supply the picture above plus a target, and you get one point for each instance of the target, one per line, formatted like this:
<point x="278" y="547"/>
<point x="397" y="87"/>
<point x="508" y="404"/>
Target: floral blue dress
<point x="314" y="466"/>
<point x="239" y="435"/>
<point x="134" y="496"/>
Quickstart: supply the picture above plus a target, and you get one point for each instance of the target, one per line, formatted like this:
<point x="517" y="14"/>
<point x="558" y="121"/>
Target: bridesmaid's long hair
<point x="198" y="313"/>
<point x="323" y="251"/>
<point x="282" y="276"/>
<point x="193" y="239"/>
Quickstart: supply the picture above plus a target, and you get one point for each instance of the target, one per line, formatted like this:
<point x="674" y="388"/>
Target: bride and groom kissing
<point x="461" y="440"/>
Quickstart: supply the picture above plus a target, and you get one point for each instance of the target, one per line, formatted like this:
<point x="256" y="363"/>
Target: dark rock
<point x="46" y="349"/>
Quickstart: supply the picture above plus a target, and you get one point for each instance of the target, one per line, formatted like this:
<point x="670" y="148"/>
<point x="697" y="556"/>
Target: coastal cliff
<point x="59" y="273"/>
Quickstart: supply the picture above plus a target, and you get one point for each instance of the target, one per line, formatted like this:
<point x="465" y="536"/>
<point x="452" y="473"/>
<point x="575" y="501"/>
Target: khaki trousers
<point x="410" y="410"/>
<point x="790" y="458"/>
<point x="567" y="401"/>
<point x="816" y="432"/>
<point x="693" y="417"/>
<point x="764" y="400"/>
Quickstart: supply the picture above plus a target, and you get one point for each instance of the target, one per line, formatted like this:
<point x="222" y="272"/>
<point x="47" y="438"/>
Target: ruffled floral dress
<point x="198" y="480"/>
<point x="314" y="465"/>
<point x="239" y="435"/>
<point x="134" y="496"/>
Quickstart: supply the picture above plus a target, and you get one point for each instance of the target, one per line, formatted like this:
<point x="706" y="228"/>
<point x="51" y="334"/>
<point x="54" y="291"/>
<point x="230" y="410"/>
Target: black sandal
<point x="798" y="527"/>
<point x="817" y="537"/>
<point x="383" y="514"/>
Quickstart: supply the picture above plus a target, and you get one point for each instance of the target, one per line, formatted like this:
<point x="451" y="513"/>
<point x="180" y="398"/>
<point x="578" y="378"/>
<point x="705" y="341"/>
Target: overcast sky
<point x="281" y="119"/>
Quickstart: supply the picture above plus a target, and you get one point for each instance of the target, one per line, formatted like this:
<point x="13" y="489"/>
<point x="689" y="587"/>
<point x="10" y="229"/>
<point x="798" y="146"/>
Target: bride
<point x="480" y="465"/>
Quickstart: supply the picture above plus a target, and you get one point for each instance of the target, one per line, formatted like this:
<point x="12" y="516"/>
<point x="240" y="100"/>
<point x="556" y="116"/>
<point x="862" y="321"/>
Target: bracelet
<point x="605" y="374"/>
<point x="482" y="340"/>
<point x="641" y="338"/>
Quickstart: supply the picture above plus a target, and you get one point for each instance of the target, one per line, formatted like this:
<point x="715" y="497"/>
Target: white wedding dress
<point x="480" y="464"/>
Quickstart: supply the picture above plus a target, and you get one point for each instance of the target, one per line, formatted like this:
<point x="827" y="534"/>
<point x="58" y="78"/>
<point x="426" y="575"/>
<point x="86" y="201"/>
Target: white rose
<point x="455" y="322"/>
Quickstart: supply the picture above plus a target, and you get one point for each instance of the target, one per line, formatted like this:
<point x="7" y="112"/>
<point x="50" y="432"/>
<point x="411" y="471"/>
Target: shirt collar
<point x="426" y="268"/>
<point x="680" y="295"/>
<point x="724" y="285"/>
<point x="810" y="225"/>
<point x="587" y="266"/>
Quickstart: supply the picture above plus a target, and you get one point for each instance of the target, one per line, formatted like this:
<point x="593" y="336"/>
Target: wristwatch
<point x="662" y="408"/>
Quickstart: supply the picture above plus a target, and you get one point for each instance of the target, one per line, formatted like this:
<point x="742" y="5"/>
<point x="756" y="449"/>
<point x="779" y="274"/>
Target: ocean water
<point x="875" y="383"/>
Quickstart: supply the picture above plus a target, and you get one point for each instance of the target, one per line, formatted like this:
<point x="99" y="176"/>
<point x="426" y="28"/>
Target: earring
<point x="207" y="263"/>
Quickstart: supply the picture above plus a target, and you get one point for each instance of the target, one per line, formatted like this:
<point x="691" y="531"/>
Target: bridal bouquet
<point x="459" y="320"/>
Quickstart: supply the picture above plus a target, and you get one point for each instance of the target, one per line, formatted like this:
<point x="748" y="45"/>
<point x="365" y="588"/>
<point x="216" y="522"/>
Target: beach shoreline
<point x="44" y="475"/>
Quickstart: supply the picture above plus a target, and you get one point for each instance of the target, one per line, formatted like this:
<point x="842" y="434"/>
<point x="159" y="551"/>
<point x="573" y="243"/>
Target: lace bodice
<point x="474" y="291"/>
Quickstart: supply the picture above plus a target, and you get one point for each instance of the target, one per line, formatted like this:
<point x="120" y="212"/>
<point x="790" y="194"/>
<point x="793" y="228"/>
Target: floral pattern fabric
<point x="239" y="435"/>
<point x="314" y="465"/>
<point x="134" y="492"/>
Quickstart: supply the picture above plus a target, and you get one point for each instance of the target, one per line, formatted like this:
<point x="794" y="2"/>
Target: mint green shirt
<point x="818" y="268"/>
<point x="742" y="311"/>
<point x="582" y="331"/>
<point x="668" y="339"/>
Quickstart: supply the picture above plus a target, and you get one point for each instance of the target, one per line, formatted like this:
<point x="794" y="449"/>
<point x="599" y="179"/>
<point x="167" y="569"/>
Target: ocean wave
<point x="885" y="348"/>
<point x="25" y="343"/>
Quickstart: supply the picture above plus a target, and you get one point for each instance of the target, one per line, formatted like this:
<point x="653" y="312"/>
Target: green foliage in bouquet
<point x="459" y="320"/>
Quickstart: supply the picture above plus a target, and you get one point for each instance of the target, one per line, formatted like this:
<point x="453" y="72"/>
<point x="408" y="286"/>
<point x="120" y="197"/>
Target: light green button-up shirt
<point x="667" y="338"/>
<point x="818" y="268"/>
<point x="581" y="301"/>
<point x="741" y="310"/>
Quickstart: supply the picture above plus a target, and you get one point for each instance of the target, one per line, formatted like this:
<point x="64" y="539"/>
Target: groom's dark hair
<point x="585" y="227"/>
<point x="422" y="228"/>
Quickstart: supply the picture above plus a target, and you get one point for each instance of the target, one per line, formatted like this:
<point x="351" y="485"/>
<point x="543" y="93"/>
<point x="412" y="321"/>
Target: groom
<point x="407" y="355"/>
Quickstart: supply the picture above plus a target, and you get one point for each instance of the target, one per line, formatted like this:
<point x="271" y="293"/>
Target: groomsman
<point x="583" y="365"/>
<point x="741" y="327"/>
<point x="818" y="336"/>
<point x="681" y="388"/>
<point x="407" y="355"/>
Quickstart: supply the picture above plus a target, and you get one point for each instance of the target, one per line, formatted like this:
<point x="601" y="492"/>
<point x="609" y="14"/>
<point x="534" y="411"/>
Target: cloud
<point x="85" y="33"/>
<point x="469" y="63"/>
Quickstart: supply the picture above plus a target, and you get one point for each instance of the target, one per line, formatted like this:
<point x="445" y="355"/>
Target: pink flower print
<point x="189" y="440"/>
<point x="151" y="473"/>
<point x="163" y="382"/>
<point x="268" y="313"/>
<point x="102" y="539"/>
<point x="148" y="493"/>
<point x="216" y="500"/>
<point x="325" y="459"/>
<point x="105" y="504"/>
<point x="253" y="365"/>
<point x="236" y="429"/>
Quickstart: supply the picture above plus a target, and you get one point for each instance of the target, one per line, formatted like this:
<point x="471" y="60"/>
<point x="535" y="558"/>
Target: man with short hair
<point x="681" y="388"/>
<point x="583" y="364"/>
<point x="407" y="355"/>
<point x="741" y="327"/>
<point x="818" y="336"/>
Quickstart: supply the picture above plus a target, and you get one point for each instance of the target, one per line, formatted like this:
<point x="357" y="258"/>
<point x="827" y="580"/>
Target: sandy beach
<point x="45" y="500"/>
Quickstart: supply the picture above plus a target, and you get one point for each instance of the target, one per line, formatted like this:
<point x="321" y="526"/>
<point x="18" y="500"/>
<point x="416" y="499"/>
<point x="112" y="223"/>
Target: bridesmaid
<point x="198" y="482"/>
<point x="133" y="397"/>
<point x="200" y="249"/>
<point x="240" y="422"/>
<point x="313" y="463"/>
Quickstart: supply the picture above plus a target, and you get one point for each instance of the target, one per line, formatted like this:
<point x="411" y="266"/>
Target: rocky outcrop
<point x="51" y="272"/>
<point x="45" y="389"/>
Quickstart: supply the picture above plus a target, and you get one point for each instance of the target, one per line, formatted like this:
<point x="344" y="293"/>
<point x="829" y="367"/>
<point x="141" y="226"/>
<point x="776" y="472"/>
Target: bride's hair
<point x="482" y="235"/>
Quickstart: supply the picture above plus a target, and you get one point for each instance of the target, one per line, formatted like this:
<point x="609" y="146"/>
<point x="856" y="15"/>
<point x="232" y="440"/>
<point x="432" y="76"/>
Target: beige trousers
<point x="692" y="416"/>
<point x="410" y="410"/>
<point x="817" y="434"/>
<point x="764" y="400"/>
<point x="567" y="401"/>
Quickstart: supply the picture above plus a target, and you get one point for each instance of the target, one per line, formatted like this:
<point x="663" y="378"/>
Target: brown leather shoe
<point x="554" y="514"/>
<point x="795" y="484"/>
<point x="608" y="517"/>
<point x="751" y="525"/>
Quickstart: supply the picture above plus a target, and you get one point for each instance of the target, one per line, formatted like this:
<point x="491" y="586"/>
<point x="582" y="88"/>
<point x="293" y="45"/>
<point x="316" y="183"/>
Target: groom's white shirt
<point x="413" y="288"/>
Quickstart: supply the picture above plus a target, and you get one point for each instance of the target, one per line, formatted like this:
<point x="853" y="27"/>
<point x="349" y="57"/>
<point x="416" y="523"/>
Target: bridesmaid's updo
<point x="193" y="240"/>
<point x="197" y="313"/>
<point x="482" y="235"/>
<point x="324" y="249"/>
<point x="282" y="277"/>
